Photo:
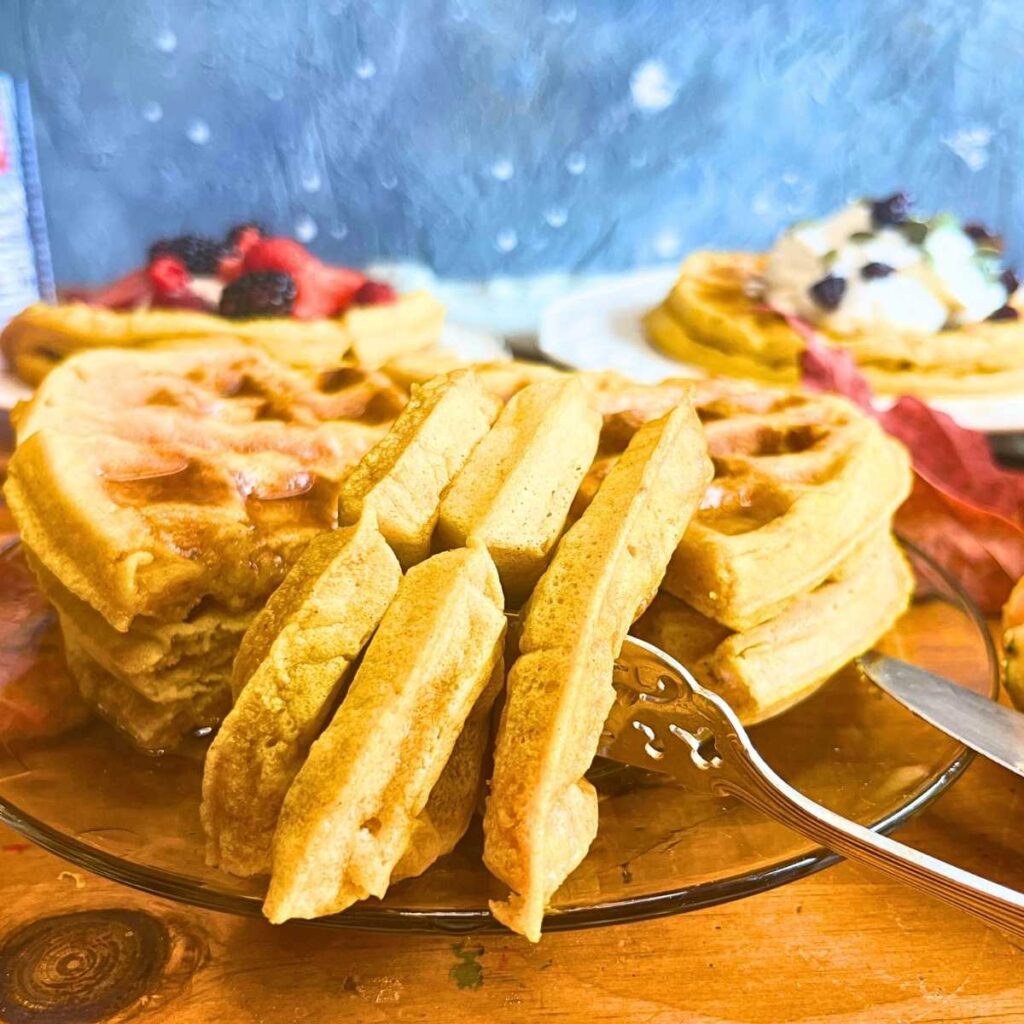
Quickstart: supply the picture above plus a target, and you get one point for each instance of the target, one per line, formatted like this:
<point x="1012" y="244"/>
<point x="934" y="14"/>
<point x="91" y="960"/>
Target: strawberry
<point x="283" y="255"/>
<point x="168" y="276"/>
<point x="239" y="241"/>
<point x="375" y="293"/>
<point x="126" y="292"/>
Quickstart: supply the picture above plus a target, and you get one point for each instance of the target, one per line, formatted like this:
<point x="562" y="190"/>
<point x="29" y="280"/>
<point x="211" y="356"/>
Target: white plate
<point x="599" y="327"/>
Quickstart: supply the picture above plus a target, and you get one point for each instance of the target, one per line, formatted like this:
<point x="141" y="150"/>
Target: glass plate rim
<point x="186" y="890"/>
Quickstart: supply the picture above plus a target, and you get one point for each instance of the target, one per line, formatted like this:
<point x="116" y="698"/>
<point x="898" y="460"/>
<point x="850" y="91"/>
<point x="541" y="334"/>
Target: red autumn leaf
<point x="965" y="509"/>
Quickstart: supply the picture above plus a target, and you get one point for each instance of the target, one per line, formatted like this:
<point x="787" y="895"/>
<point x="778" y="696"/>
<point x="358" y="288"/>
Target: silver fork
<point x="664" y="721"/>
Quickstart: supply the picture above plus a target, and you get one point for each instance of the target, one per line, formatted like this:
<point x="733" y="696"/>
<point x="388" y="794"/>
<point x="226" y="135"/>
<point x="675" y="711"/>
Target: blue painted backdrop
<point x="486" y="138"/>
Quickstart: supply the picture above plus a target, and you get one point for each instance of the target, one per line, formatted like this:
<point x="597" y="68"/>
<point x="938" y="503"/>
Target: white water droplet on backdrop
<point x="198" y="131"/>
<point x="311" y="181"/>
<point x="339" y="231"/>
<point x="275" y="92"/>
<point x="166" y="41"/>
<point x="666" y="244"/>
<point x="561" y="14"/>
<point x="506" y="240"/>
<point x="152" y="111"/>
<point x="575" y="163"/>
<point x="638" y="160"/>
<point x="306" y="229"/>
<point x="652" y="87"/>
<point x="971" y="145"/>
<point x="502" y="170"/>
<point x="556" y="216"/>
<point x="366" y="69"/>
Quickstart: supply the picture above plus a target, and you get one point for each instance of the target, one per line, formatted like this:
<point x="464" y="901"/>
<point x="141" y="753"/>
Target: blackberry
<point x="873" y="271"/>
<point x="982" y="237"/>
<point x="266" y="293"/>
<point x="232" y="237"/>
<point x="200" y="255"/>
<point x="1004" y="313"/>
<point x="828" y="292"/>
<point x="891" y="210"/>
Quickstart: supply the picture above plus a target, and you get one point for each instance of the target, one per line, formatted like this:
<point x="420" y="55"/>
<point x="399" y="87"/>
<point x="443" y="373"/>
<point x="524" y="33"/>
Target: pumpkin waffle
<point x="541" y="815"/>
<point x="153" y="726"/>
<point x="801" y="481"/>
<point x="1013" y="644"/>
<point x="146" y="482"/>
<point x="402" y="478"/>
<point x="709" y="319"/>
<point x="515" y="490"/>
<point x="293" y="662"/>
<point x="162" y="661"/>
<point x="164" y="494"/>
<point x="40" y="337"/>
<point x="351" y="813"/>
<point x="764" y="670"/>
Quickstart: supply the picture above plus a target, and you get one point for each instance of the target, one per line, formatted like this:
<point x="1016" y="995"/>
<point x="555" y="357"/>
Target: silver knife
<point x="980" y="723"/>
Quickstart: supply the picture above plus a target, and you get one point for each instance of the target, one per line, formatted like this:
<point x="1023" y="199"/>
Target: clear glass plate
<point x="89" y="797"/>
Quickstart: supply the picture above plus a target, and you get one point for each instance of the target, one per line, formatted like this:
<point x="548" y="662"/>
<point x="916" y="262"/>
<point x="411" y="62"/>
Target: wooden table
<point x="844" y="945"/>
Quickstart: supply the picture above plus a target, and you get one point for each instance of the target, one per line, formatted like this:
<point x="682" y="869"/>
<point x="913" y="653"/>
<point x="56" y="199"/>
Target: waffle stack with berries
<point x="265" y="291"/>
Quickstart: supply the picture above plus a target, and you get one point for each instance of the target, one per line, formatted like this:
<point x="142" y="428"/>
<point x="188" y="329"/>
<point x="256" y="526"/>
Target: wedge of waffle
<point x="164" y="494"/>
<point x="42" y="336"/>
<point x="709" y="319"/>
<point x="800" y="483"/>
<point x="517" y="485"/>
<point x="541" y="814"/>
<point x="402" y="478"/>
<point x="766" y="669"/>
<point x="1013" y="644"/>
<point x="349" y="818"/>
<point x="292" y="666"/>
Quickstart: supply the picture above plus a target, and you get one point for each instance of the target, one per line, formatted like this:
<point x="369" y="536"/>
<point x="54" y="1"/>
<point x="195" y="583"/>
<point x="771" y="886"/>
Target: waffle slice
<point x="764" y="670"/>
<point x="403" y="477"/>
<point x="148" y="481"/>
<point x="541" y="815"/>
<point x="351" y="813"/>
<point x="293" y="663"/>
<point x="515" y="490"/>
<point x="40" y="337"/>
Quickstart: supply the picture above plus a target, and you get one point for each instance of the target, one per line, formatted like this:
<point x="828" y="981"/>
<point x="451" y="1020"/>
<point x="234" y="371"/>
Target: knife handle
<point x="744" y="774"/>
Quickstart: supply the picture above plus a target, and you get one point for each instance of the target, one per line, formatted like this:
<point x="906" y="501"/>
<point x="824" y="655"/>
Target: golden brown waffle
<point x="152" y="726"/>
<point x="709" y="319"/>
<point x="293" y="663"/>
<point x="1013" y="644"/>
<point x="351" y="813"/>
<point x="401" y="479"/>
<point x="800" y="482"/>
<point x="541" y="814"/>
<point x="42" y="336"/>
<point x="764" y="670"/>
<point x="515" y="490"/>
<point x="147" y="481"/>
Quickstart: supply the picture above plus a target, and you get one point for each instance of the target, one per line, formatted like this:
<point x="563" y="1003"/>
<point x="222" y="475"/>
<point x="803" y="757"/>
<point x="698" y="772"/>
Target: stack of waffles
<point x="327" y="563"/>
<point x="162" y="496"/>
<point x="789" y="569"/>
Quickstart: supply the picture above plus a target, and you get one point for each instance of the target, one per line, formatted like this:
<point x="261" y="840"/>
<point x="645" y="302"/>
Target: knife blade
<point x="982" y="724"/>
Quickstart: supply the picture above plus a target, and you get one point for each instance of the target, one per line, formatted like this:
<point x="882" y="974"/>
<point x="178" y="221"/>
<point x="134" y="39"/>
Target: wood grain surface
<point x="842" y="946"/>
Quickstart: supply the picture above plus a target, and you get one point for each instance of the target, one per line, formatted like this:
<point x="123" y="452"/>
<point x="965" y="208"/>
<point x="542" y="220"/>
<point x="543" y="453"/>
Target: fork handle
<point x="753" y="781"/>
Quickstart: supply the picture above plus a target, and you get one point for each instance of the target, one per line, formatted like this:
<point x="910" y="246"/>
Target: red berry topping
<point x="375" y="293"/>
<point x="168" y="275"/>
<point x="281" y="254"/>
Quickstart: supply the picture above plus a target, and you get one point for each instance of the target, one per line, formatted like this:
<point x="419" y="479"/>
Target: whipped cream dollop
<point x="872" y="267"/>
